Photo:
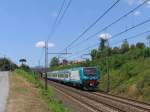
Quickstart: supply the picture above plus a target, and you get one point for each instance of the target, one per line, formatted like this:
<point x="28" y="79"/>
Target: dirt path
<point x="24" y="96"/>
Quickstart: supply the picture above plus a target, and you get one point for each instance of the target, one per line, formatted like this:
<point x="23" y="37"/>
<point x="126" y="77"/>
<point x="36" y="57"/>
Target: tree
<point x="6" y="64"/>
<point x="115" y="50"/>
<point x="140" y="45"/>
<point x="25" y="67"/>
<point x="102" y="45"/>
<point x="94" y="54"/>
<point x="132" y="46"/>
<point x="13" y="66"/>
<point x="22" y="61"/>
<point x="64" y="62"/>
<point x="125" y="46"/>
<point x="148" y="38"/>
<point x="54" y="62"/>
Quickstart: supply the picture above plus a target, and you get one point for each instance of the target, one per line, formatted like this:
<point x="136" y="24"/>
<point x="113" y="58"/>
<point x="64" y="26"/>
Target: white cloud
<point x="148" y="4"/>
<point x="105" y="36"/>
<point x="51" y="45"/>
<point x="133" y="2"/>
<point x="136" y="13"/>
<point x="41" y="44"/>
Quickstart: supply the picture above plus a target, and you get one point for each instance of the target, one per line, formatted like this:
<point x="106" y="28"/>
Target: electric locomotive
<point x="84" y="77"/>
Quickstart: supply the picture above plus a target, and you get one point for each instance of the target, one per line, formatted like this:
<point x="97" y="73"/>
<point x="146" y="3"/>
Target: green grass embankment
<point x="132" y="80"/>
<point x="47" y="95"/>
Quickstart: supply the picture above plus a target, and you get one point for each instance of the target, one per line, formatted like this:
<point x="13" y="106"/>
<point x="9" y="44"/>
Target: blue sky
<point x="25" y="22"/>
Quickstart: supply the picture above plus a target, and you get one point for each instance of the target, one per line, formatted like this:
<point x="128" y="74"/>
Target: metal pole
<point x="107" y="65"/>
<point x="108" y="76"/>
<point x="46" y="61"/>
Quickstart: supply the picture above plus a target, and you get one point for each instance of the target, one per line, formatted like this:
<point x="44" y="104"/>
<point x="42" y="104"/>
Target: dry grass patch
<point x="24" y="96"/>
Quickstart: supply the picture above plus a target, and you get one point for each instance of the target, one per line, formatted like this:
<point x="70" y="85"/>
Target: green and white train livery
<point x="84" y="77"/>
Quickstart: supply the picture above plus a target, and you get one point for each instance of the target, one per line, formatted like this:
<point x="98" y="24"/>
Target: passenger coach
<point x="84" y="77"/>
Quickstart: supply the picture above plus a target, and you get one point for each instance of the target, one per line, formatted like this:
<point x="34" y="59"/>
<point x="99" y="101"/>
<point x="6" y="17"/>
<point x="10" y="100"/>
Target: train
<point x="86" y="78"/>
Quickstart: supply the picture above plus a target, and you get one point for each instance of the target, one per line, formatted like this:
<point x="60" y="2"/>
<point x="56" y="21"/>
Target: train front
<point x="91" y="78"/>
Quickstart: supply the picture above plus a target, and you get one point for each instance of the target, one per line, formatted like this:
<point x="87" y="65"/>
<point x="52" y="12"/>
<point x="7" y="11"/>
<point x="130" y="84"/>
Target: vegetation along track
<point x="102" y="102"/>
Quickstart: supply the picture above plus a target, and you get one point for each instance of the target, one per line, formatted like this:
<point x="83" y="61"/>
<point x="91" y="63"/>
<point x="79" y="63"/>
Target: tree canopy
<point x="6" y="64"/>
<point x="54" y="62"/>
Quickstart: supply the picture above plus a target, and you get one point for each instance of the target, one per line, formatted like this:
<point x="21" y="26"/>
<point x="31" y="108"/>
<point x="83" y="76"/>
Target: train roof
<point x="75" y="68"/>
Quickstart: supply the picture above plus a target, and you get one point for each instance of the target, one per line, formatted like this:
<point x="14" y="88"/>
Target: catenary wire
<point x="55" y="21"/>
<point x="108" y="26"/>
<point x="122" y="32"/>
<point x="93" y="24"/>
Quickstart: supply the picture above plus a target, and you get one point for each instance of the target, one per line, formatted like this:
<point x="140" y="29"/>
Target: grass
<point x="47" y="95"/>
<point x="132" y="80"/>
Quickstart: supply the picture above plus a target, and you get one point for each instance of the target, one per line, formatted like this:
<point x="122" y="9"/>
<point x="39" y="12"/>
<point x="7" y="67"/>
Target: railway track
<point x="130" y="102"/>
<point x="90" y="104"/>
<point x="99" y="102"/>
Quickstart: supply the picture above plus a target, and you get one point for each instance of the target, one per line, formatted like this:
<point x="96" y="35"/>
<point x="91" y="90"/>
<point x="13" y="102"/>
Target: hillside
<point x="132" y="80"/>
<point x="128" y="67"/>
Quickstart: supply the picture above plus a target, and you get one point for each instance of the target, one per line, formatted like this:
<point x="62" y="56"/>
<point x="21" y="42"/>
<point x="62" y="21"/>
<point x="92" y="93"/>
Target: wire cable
<point x="93" y="24"/>
<point x="55" y="22"/>
<point x="122" y="32"/>
<point x="135" y="36"/>
<point x="60" y="17"/>
<point x="116" y="21"/>
<point x="64" y="12"/>
<point x="140" y="24"/>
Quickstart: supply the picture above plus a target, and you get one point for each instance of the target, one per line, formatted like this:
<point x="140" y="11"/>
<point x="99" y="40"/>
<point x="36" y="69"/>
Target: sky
<point x="25" y="23"/>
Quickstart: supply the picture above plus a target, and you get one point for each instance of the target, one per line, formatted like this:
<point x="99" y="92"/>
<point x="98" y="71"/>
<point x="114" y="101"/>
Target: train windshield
<point x="90" y="71"/>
